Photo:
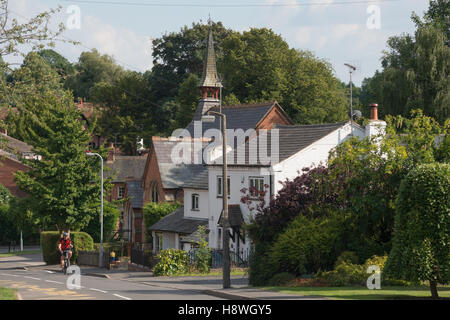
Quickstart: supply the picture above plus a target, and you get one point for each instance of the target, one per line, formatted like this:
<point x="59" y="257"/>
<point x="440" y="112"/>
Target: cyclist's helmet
<point x="66" y="234"/>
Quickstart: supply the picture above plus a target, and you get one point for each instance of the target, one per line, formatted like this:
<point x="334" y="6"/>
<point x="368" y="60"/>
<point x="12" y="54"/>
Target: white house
<point x="297" y="147"/>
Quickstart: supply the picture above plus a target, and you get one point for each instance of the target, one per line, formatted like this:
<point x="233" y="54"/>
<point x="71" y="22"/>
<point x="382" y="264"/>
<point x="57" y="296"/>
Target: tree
<point x="415" y="69"/>
<point x="58" y="62"/>
<point x="92" y="68"/>
<point x="110" y="217"/>
<point x="126" y="111"/>
<point x="153" y="212"/>
<point x="62" y="184"/>
<point x="420" y="251"/>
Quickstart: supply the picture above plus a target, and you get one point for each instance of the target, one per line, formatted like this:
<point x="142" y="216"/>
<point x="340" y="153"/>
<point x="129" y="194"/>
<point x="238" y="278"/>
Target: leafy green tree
<point x="127" y="113"/>
<point x="92" y="68"/>
<point x="58" y="62"/>
<point x="415" y="70"/>
<point x="153" y="212"/>
<point x="187" y="99"/>
<point x="61" y="184"/>
<point x="420" y="250"/>
<point x="110" y="218"/>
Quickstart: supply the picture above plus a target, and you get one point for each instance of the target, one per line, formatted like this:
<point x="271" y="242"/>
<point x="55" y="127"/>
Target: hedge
<point x="50" y="240"/>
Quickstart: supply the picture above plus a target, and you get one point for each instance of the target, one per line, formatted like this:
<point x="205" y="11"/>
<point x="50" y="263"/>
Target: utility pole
<point x="100" y="263"/>
<point x="225" y="217"/>
<point x="351" y="69"/>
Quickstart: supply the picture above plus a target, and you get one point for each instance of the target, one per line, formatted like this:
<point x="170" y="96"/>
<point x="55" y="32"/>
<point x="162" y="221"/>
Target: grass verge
<point x="361" y="293"/>
<point x="7" y="294"/>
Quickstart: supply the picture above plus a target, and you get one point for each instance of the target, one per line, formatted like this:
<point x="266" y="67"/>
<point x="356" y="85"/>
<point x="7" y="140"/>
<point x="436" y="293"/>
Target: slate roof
<point x="15" y="146"/>
<point x="177" y="223"/>
<point x="126" y="167"/>
<point x="136" y="193"/>
<point x="291" y="139"/>
<point x="199" y="179"/>
<point x="235" y="216"/>
<point x="174" y="175"/>
<point x="209" y="76"/>
<point x="244" y="117"/>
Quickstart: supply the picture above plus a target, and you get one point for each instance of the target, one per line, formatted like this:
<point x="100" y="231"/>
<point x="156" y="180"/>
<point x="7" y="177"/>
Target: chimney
<point x="4" y="131"/>
<point x="374" y="111"/>
<point x="375" y="127"/>
<point x="111" y="153"/>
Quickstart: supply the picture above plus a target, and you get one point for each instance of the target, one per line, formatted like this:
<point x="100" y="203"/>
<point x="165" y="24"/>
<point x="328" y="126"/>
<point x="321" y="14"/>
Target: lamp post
<point x="351" y="69"/>
<point x="225" y="219"/>
<point x="100" y="263"/>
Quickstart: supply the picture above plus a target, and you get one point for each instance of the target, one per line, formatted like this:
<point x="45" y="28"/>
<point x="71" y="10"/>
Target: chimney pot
<point x="111" y="153"/>
<point x="374" y="111"/>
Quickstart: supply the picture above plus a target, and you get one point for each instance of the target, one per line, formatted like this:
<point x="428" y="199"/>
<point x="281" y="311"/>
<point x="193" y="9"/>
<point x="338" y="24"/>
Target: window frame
<point x="219" y="186"/>
<point x="258" y="182"/>
<point x="195" y="200"/>
<point x="120" y="189"/>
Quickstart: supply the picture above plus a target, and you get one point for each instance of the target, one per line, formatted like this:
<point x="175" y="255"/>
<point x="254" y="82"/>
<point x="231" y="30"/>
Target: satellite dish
<point x="356" y="114"/>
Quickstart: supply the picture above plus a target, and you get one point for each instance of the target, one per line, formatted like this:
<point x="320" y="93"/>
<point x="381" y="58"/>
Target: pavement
<point x="35" y="280"/>
<point x="5" y="249"/>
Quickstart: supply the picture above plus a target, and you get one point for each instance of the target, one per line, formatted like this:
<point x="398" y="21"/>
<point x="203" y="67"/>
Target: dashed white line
<point x="9" y="275"/>
<point x="48" y="271"/>
<point x="119" y="296"/>
<point x="102" y="291"/>
<point x="32" y="278"/>
<point x="51" y="281"/>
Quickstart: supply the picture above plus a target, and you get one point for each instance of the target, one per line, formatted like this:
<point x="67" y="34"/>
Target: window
<point x="195" y="201"/>
<point x="256" y="185"/>
<point x="120" y="192"/>
<point x="220" y="185"/>
<point x="154" y="195"/>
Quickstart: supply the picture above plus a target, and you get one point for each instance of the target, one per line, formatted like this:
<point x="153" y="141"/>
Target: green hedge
<point x="50" y="240"/>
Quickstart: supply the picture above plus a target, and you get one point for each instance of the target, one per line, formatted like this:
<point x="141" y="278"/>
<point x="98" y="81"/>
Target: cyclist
<point x="65" y="244"/>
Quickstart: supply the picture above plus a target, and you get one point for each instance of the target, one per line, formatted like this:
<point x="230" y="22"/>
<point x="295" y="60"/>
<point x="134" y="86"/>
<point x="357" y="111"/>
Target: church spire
<point x="210" y="82"/>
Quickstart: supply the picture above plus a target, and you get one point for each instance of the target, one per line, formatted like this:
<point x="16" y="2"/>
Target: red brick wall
<point x="7" y="169"/>
<point x="115" y="191"/>
<point x="151" y="175"/>
<point x="275" y="116"/>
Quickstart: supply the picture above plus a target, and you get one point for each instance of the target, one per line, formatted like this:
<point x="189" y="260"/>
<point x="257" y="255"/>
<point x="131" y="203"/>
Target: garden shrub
<point x="172" y="261"/>
<point x="50" y="240"/>
<point x="307" y="245"/>
<point x="348" y="257"/>
<point x="281" y="279"/>
<point x="202" y="254"/>
<point x="261" y="269"/>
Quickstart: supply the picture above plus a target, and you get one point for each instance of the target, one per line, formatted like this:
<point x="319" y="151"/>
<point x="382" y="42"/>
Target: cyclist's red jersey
<point x="65" y="244"/>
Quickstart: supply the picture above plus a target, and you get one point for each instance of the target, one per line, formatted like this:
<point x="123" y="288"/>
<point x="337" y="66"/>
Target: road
<point x="37" y="283"/>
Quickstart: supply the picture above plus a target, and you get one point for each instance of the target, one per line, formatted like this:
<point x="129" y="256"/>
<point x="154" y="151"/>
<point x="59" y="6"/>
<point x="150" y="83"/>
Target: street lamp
<point x="90" y="154"/>
<point x="351" y="69"/>
<point x="209" y="117"/>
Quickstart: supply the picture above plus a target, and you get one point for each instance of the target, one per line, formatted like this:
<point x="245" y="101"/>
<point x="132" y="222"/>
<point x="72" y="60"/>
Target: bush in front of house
<point x="50" y="241"/>
<point x="171" y="262"/>
<point x="281" y="279"/>
<point x="308" y="245"/>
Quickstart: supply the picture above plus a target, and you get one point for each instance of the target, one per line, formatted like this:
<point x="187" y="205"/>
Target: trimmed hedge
<point x="50" y="240"/>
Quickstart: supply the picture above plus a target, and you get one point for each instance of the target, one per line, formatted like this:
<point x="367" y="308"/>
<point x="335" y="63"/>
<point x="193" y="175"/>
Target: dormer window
<point x="194" y="201"/>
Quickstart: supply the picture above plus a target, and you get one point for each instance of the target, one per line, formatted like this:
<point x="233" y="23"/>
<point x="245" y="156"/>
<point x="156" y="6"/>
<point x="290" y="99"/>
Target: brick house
<point x="11" y="153"/>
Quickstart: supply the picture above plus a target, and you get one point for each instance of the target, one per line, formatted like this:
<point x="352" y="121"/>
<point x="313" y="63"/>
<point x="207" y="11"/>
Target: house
<point x="295" y="147"/>
<point x="163" y="180"/>
<point x="12" y="152"/>
<point x="126" y="174"/>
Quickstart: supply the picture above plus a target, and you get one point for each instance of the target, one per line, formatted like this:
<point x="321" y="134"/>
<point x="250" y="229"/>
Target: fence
<point x="91" y="258"/>
<point x="236" y="260"/>
<point x="142" y="257"/>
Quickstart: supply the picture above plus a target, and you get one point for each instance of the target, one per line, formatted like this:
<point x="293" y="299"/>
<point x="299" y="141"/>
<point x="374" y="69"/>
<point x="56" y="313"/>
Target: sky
<point x="339" y="31"/>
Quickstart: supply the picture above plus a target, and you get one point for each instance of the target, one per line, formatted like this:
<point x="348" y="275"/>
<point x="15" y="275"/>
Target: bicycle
<point x="66" y="261"/>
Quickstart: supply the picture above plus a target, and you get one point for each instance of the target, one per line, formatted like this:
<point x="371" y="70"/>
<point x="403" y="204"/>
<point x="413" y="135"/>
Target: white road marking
<point x="32" y="278"/>
<point x="119" y="296"/>
<point x="49" y="271"/>
<point x="9" y="275"/>
<point x="51" y="281"/>
<point x="102" y="291"/>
